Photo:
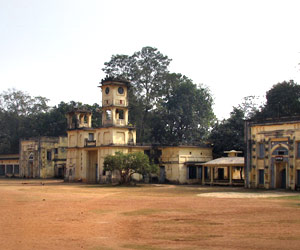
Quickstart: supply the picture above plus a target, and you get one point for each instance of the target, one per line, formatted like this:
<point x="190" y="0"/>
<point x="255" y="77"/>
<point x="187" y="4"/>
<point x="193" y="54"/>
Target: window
<point x="261" y="150"/>
<point x="192" y="172"/>
<point x="261" y="177"/>
<point x="91" y="136"/>
<point x="9" y="169"/>
<point x="56" y="151"/>
<point x="2" y="170"/>
<point x="107" y="90"/>
<point x="120" y="90"/>
<point x="298" y="177"/>
<point x="108" y="114"/>
<point x="121" y="113"/>
<point x="49" y="155"/>
<point x="16" y="169"/>
<point x="298" y="149"/>
<point x="30" y="158"/>
<point x="280" y="151"/>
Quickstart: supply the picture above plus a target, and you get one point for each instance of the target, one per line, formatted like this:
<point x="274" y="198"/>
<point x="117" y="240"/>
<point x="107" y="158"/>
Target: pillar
<point x="230" y="175"/>
<point x="212" y="175"/>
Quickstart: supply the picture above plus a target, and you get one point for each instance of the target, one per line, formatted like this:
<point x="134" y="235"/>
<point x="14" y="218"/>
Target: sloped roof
<point x="226" y="161"/>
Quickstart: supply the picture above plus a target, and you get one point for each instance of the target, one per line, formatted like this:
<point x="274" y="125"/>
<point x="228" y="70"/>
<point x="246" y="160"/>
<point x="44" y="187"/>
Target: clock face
<point x="120" y="90"/>
<point x="107" y="90"/>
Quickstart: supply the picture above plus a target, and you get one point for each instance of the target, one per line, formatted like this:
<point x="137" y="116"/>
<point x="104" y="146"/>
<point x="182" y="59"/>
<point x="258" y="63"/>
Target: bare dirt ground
<point x="60" y="215"/>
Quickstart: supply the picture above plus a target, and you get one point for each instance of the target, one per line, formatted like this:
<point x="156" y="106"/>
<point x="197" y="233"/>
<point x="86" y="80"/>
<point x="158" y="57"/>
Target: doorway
<point x="280" y="175"/>
<point x="162" y="174"/>
<point x="220" y="173"/>
<point x="30" y="169"/>
<point x="92" y="166"/>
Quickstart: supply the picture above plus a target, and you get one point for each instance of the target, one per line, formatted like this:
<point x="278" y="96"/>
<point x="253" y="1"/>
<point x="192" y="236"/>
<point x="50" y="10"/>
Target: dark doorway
<point x="192" y="172"/>
<point x="221" y="173"/>
<point x="162" y="174"/>
<point x="280" y="175"/>
<point x="283" y="178"/>
<point x="206" y="176"/>
<point x="2" y="170"/>
<point x="60" y="173"/>
<point x="200" y="172"/>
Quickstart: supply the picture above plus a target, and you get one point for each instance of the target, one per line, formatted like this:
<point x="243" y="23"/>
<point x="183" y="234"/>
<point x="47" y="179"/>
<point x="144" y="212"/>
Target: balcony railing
<point x="90" y="143"/>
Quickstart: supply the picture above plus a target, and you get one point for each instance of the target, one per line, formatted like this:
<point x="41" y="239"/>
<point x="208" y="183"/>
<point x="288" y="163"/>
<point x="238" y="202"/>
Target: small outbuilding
<point x="225" y="170"/>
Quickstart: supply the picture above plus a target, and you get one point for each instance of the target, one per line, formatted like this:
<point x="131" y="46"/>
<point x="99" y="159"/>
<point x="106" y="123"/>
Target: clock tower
<point x="114" y="102"/>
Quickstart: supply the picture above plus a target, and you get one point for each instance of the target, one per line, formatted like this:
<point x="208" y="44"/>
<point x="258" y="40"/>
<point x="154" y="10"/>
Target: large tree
<point x="165" y="107"/>
<point x="228" y="134"/>
<point x="21" y="103"/>
<point x="128" y="164"/>
<point x="146" y="70"/>
<point x="283" y="99"/>
<point x="184" y="114"/>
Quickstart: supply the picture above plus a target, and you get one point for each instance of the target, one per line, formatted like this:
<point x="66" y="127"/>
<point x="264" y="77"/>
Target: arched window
<point x="108" y="114"/>
<point x="280" y="151"/>
<point x="121" y="114"/>
<point x="30" y="158"/>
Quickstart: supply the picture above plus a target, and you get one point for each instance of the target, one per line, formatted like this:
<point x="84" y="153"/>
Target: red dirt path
<point x="58" y="215"/>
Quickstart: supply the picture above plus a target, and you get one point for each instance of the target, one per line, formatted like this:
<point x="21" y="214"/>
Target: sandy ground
<point x="56" y="215"/>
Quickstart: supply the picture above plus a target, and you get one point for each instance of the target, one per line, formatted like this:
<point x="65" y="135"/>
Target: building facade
<point x="43" y="157"/>
<point x="9" y="165"/>
<point x="273" y="154"/>
<point x="88" y="146"/>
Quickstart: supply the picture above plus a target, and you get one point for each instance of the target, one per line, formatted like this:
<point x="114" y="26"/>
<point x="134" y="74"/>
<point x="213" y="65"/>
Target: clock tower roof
<point x="114" y="81"/>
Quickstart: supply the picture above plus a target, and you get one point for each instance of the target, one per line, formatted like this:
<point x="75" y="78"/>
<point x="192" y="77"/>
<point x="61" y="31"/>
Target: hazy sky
<point x="56" y="48"/>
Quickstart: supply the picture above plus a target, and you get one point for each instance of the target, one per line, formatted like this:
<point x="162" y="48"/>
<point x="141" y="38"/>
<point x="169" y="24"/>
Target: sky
<point x="57" y="48"/>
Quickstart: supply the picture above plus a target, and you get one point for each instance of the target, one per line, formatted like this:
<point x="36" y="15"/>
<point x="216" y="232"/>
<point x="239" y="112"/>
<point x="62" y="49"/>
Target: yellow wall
<point x="273" y="136"/>
<point x="81" y="162"/>
<point x="176" y="159"/>
<point x="39" y="166"/>
<point x="102" y="136"/>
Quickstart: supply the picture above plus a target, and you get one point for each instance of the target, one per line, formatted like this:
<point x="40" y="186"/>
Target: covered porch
<point x="227" y="171"/>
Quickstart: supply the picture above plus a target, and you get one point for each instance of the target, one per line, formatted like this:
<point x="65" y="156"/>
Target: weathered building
<point x="88" y="146"/>
<point x="183" y="164"/>
<point x="43" y="157"/>
<point x="225" y="170"/>
<point x="9" y="165"/>
<point x="273" y="153"/>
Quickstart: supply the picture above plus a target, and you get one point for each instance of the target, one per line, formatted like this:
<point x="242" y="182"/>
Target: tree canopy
<point x="23" y="116"/>
<point x="228" y="134"/>
<point x="128" y="164"/>
<point x="283" y="99"/>
<point x="184" y="114"/>
<point x="164" y="106"/>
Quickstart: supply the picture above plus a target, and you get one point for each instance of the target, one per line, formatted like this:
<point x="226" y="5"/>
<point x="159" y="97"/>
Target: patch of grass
<point x="292" y="197"/>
